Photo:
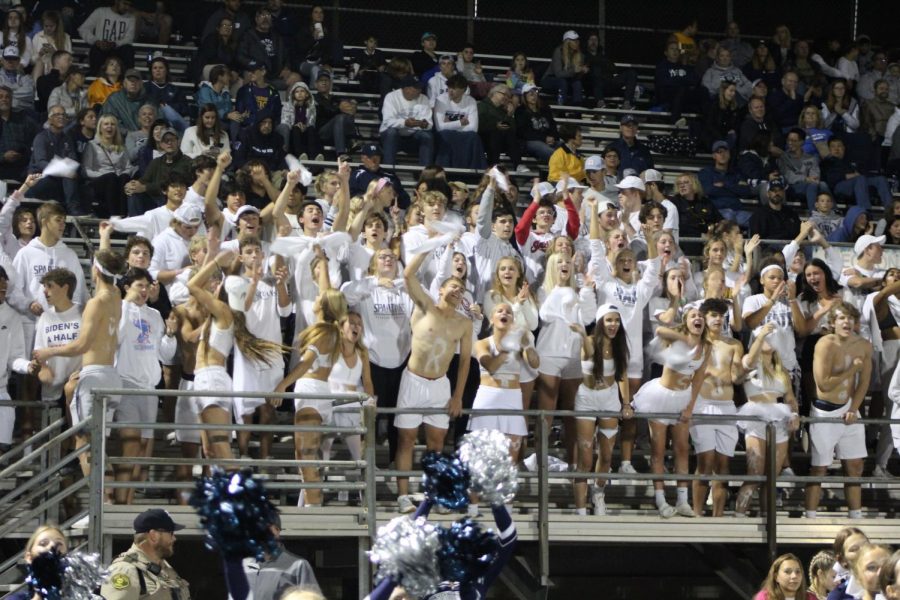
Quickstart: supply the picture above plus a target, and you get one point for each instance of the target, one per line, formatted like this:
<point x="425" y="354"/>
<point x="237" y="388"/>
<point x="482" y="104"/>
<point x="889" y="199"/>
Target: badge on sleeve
<point x="120" y="581"/>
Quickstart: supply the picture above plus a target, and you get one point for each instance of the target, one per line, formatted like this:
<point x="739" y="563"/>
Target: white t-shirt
<point x="142" y="343"/>
<point x="56" y="329"/>
<point x="782" y="339"/>
<point x="386" y="314"/>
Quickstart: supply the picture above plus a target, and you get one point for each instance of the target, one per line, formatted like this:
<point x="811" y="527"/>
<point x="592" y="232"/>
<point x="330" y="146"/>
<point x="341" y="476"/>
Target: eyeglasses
<point x="57" y="114"/>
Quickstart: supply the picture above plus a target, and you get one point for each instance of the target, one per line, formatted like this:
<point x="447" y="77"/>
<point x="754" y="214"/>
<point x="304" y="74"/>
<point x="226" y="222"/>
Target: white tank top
<point x="510" y="367"/>
<point x="221" y="340"/>
<point x="343" y="378"/>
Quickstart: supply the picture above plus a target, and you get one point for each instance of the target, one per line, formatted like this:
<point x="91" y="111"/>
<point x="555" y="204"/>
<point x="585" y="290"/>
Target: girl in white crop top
<point x="675" y="392"/>
<point x="350" y="373"/>
<point x="604" y="366"/>
<point x="318" y="347"/>
<point x="224" y="328"/>
<point x="766" y="382"/>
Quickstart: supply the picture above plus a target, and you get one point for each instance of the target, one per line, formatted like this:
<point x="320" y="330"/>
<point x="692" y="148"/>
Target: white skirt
<point x="653" y="397"/>
<point x="489" y="397"/>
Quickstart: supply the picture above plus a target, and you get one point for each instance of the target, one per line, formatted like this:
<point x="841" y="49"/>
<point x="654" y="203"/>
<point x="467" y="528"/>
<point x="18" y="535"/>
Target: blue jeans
<point x="741" y="217"/>
<point x="338" y="131"/>
<point x="570" y="88"/>
<point x="460" y="149"/>
<point x="539" y="150"/>
<point x="855" y="188"/>
<point x="420" y="142"/>
<point x="175" y="119"/>
<point x="810" y="190"/>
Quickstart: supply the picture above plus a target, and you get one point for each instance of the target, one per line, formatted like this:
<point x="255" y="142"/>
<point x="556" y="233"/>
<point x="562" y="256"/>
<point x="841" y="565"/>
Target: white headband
<point x="103" y="271"/>
<point x="769" y="268"/>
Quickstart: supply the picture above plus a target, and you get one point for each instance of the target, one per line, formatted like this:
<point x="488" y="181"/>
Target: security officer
<point x="142" y="573"/>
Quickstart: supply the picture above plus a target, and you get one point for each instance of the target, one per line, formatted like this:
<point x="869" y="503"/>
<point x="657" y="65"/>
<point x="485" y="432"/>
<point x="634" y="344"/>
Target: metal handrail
<point x="99" y="427"/>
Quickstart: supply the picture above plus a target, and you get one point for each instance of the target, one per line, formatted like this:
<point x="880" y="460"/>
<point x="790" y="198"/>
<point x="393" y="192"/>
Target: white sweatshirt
<point x="108" y="25"/>
<point x="397" y="109"/>
<point x="150" y="224"/>
<point x="32" y="262"/>
<point x="447" y="114"/>
<point x="142" y="344"/>
<point x="170" y="252"/>
<point x="386" y="314"/>
<point x="12" y="344"/>
<point x="56" y="329"/>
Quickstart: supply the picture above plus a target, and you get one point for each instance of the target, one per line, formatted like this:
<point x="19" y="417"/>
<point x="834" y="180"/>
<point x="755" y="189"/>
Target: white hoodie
<point x="32" y="262"/>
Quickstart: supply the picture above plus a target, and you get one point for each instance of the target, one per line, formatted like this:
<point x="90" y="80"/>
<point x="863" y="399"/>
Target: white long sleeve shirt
<point x="448" y="114"/>
<point x="142" y="344"/>
<point x="170" y="252"/>
<point x="108" y="25"/>
<point x="12" y="344"/>
<point x="55" y="329"/>
<point x="150" y="224"/>
<point x="32" y="262"/>
<point x="397" y="109"/>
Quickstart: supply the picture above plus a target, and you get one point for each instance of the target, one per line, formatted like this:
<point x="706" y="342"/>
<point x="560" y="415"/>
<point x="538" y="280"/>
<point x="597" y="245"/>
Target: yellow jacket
<point x="564" y="160"/>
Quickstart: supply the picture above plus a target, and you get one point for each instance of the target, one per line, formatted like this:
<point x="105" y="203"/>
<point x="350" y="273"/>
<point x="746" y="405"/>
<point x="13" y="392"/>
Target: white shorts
<point x="347" y="415"/>
<point x="187" y="412"/>
<point x="779" y="414"/>
<point x="212" y="379"/>
<point x="830" y="440"/>
<point x="605" y="400"/>
<point x="653" y="397"/>
<point x="560" y="366"/>
<point x="252" y="376"/>
<point x="419" y="392"/>
<point x="489" y="397"/>
<point x="7" y="420"/>
<point x="307" y="385"/>
<point x="526" y="373"/>
<point x="91" y="377"/>
<point x="721" y="437"/>
<point x="138" y="409"/>
<point x="635" y="357"/>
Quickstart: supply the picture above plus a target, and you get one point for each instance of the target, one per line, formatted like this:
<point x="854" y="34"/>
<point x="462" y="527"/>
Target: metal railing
<point x="98" y="427"/>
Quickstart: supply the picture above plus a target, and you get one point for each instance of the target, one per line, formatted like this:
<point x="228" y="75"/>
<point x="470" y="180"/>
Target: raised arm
<point x="343" y="198"/>
<point x="418" y="294"/>
<point x="211" y="199"/>
<point x="197" y="287"/>
<point x="290" y="181"/>
<point x="485" y="212"/>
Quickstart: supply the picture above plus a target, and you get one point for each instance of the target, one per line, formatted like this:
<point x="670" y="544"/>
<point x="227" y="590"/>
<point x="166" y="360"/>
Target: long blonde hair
<point x="571" y="55"/>
<point x="497" y="287"/>
<point x="117" y="144"/>
<point x="551" y="277"/>
<point x="322" y="335"/>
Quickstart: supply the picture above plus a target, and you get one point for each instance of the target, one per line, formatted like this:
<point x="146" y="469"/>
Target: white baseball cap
<point x="236" y="287"/>
<point x="631" y="182"/>
<point x="865" y="241"/>
<point x="570" y="35"/>
<point x="561" y="185"/>
<point x="189" y="214"/>
<point x="528" y="87"/>
<point x="593" y="163"/>
<point x="652" y="175"/>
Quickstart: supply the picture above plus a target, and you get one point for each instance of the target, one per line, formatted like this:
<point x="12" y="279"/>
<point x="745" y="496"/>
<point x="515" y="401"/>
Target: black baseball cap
<point x="371" y="150"/>
<point x="155" y="518"/>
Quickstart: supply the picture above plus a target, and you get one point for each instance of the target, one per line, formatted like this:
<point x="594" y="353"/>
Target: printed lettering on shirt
<point x="388" y="309"/>
<point x="781" y="317"/>
<point x="453" y="116"/>
<point x="539" y="246"/>
<point x="113" y="30"/>
<point x="60" y="334"/>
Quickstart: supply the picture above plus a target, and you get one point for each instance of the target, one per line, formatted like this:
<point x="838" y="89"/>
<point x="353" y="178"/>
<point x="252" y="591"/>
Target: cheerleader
<point x="500" y="359"/>
<point x="318" y="347"/>
<point x="767" y="381"/>
<point x="511" y="287"/>
<point x="676" y="391"/>
<point x="604" y="388"/>
<point x="565" y="311"/>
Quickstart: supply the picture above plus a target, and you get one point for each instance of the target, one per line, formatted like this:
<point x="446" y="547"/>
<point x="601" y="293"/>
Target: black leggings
<point x="387" y="387"/>
<point x="461" y="423"/>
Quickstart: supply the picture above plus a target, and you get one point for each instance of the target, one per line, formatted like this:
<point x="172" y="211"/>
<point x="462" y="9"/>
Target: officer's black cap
<point x="155" y="518"/>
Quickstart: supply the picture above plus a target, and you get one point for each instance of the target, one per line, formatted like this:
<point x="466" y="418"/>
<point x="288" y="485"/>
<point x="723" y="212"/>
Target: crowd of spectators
<point x="351" y="266"/>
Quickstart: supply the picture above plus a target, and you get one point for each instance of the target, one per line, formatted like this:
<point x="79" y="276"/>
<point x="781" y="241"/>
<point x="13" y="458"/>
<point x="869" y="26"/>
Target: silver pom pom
<point x="406" y="551"/>
<point x="485" y="452"/>
<point x="84" y="573"/>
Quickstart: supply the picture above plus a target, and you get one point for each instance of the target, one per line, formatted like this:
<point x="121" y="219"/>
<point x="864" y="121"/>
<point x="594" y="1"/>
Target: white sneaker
<point x="405" y="505"/>
<point x="681" y="123"/>
<point x="627" y="469"/>
<point x="301" y="499"/>
<point x="882" y="473"/>
<point x="319" y="157"/>
<point x="303" y="157"/>
<point x="685" y="510"/>
<point x="441" y="509"/>
<point x="599" y="500"/>
<point x="522" y="169"/>
<point x="667" y="511"/>
<point x="740" y="515"/>
<point x="473" y="511"/>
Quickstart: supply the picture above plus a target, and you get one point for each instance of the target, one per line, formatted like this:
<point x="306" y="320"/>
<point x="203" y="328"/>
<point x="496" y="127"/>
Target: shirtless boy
<point x="436" y="330"/>
<point x="714" y="443"/>
<point x="842" y="367"/>
<point x="97" y="342"/>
